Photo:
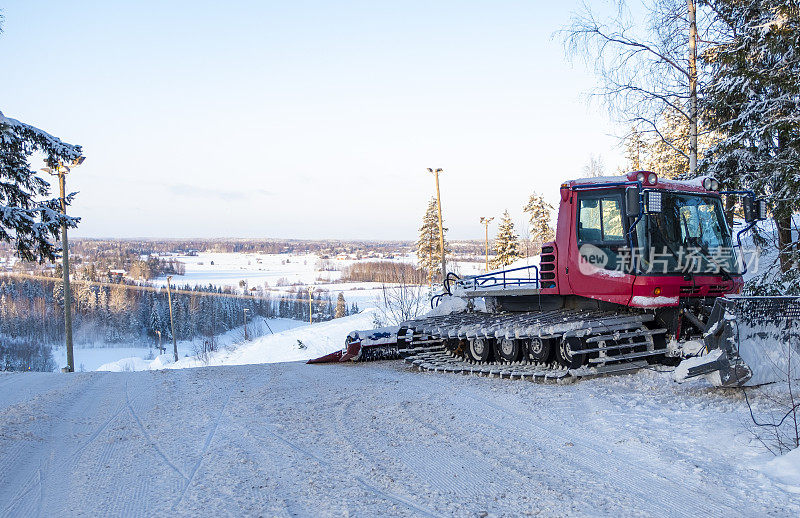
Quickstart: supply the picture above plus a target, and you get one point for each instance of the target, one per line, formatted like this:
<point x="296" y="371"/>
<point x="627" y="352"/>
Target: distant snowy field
<point x="277" y="272"/>
<point x="274" y="272"/>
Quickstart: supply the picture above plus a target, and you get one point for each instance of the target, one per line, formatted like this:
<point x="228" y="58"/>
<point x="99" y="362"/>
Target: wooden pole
<point x="171" y="321"/>
<point x="65" y="266"/>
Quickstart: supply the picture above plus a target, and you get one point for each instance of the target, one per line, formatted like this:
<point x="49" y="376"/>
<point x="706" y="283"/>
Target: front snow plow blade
<point x="749" y="341"/>
<point x="376" y="344"/>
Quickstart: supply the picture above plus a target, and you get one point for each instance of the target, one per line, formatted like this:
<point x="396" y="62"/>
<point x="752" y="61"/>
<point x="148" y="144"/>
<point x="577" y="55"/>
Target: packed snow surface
<point x="376" y="439"/>
<point x="785" y="470"/>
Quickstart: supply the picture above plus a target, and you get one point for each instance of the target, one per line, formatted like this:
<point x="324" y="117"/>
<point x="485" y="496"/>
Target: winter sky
<point x="303" y="119"/>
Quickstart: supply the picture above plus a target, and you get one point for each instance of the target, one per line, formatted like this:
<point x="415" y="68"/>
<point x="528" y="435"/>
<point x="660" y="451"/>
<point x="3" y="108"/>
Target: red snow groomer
<point x="642" y="271"/>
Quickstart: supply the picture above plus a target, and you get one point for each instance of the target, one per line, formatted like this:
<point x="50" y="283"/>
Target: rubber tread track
<point x="535" y="324"/>
<point x="444" y="361"/>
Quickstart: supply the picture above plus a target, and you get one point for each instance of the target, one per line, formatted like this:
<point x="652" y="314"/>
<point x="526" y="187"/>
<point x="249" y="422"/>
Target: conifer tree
<point x="155" y="319"/>
<point x="429" y="252"/>
<point x="635" y="148"/>
<point x="666" y="155"/>
<point x="753" y="98"/>
<point x="506" y="245"/>
<point x="341" y="306"/>
<point x="539" y="212"/>
<point x="29" y="219"/>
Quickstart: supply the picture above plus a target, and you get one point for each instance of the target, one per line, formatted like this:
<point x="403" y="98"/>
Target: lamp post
<point x="435" y="173"/>
<point x="171" y="321"/>
<point x="61" y="171"/>
<point x="485" y="222"/>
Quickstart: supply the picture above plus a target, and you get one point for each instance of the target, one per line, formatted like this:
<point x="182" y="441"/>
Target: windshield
<point x="689" y="235"/>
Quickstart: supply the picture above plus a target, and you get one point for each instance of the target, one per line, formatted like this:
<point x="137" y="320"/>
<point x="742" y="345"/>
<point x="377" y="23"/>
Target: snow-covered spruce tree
<point x="29" y="219"/>
<point x="341" y="306"/>
<point x="429" y="251"/>
<point x="506" y="244"/>
<point x="635" y="149"/>
<point x="540" y="213"/>
<point x="753" y="99"/>
<point x="667" y="156"/>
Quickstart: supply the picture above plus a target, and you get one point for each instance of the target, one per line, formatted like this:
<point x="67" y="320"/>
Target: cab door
<point x="600" y="254"/>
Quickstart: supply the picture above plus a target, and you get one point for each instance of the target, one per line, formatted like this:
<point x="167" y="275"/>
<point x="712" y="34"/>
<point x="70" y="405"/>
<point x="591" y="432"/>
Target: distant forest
<point x="384" y="271"/>
<point x="31" y="314"/>
<point x="122" y="247"/>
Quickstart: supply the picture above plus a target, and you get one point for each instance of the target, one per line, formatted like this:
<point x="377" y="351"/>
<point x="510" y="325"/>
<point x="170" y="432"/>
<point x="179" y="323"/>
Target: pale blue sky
<point x="302" y="119"/>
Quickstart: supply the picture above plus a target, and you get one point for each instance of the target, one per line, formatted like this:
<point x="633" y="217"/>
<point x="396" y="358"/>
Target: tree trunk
<point x="730" y="209"/>
<point x="785" y="242"/>
<point x="692" y="88"/>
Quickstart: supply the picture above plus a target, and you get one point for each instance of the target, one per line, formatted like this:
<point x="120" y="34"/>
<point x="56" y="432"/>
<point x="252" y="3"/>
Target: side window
<point x="600" y="219"/>
<point x="589" y="227"/>
<point x="612" y="219"/>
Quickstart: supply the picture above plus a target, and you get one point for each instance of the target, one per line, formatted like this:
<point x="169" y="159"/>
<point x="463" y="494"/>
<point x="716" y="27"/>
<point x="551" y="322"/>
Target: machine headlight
<point x="653" y="201"/>
<point x="652" y="179"/>
<point x="640" y="177"/>
<point x="710" y="184"/>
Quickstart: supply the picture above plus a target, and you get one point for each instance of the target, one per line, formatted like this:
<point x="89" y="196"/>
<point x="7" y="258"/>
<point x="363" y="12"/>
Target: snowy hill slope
<point x="377" y="439"/>
<point x="318" y="339"/>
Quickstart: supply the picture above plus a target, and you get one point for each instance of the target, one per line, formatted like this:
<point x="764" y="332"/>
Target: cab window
<point x="600" y="219"/>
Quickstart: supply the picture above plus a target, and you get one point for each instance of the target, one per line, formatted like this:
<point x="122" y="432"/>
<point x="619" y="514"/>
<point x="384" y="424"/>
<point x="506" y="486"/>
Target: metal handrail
<point x="501" y="279"/>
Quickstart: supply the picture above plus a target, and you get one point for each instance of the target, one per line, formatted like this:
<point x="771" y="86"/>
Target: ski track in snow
<point x="373" y="439"/>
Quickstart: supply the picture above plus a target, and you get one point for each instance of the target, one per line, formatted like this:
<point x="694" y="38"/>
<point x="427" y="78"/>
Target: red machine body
<point x="566" y="270"/>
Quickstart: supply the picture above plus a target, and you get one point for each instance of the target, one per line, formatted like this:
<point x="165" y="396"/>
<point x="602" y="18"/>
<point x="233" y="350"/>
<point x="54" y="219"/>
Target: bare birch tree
<point x="647" y="63"/>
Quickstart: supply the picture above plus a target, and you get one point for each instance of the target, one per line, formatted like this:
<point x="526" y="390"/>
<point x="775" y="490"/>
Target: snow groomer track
<point x="545" y="346"/>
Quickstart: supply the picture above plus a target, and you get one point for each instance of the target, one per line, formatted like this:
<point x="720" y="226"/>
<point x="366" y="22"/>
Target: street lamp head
<point x="439" y="170"/>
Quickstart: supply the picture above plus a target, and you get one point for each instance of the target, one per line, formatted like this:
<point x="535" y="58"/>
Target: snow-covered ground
<point x="296" y="341"/>
<point x="129" y="358"/>
<point x="291" y="439"/>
